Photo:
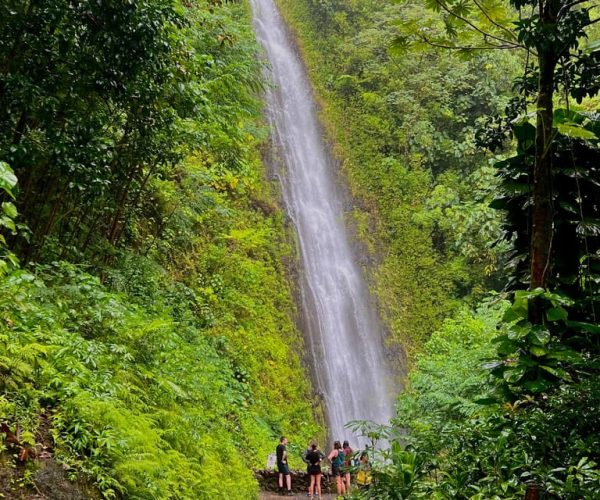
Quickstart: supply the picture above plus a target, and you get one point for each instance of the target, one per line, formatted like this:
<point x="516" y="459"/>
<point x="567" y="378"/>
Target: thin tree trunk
<point x="26" y="192"/>
<point x="51" y="218"/>
<point x="542" y="210"/>
<point x="75" y="229"/>
<point x="90" y="233"/>
<point x="113" y="234"/>
<point x="541" y="236"/>
<point x="133" y="205"/>
<point x="20" y="128"/>
<point x="120" y="207"/>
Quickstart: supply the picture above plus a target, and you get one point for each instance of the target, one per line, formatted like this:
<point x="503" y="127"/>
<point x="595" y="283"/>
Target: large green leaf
<point x="587" y="327"/>
<point x="556" y="314"/>
<point x="565" y="355"/>
<point x="540" y="336"/>
<point x="8" y="179"/>
<point x="557" y="372"/>
<point x="538" y="351"/>
<point x="9" y="209"/>
<point x="575" y="131"/>
<point x="538" y="385"/>
<point x="513" y="374"/>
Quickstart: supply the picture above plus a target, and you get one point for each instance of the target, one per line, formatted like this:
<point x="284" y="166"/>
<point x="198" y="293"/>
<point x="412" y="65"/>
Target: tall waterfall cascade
<point x="342" y="329"/>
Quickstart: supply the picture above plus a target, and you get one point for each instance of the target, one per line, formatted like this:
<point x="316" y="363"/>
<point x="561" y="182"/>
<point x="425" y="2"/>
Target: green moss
<point x="397" y="124"/>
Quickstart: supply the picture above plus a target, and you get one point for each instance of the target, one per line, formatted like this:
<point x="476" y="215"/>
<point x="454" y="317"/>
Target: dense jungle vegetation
<point x="148" y="338"/>
<point x="146" y="317"/>
<point x="470" y="132"/>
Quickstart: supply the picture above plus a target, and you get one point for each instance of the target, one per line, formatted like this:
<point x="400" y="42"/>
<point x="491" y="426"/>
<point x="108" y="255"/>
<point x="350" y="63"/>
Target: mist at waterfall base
<point x="342" y="329"/>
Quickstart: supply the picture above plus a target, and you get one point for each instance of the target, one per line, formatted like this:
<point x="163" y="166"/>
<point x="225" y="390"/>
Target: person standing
<point x="336" y="457"/>
<point x="347" y="478"/>
<point x="283" y="467"/>
<point x="363" y="476"/>
<point x="314" y="457"/>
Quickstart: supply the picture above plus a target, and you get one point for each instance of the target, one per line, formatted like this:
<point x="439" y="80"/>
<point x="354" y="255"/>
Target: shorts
<point x="283" y="468"/>
<point x="314" y="470"/>
<point x="336" y="470"/>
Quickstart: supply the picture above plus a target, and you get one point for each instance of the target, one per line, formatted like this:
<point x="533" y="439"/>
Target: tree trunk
<point x="541" y="234"/>
<point x="121" y="201"/>
<point x="542" y="210"/>
<point x="533" y="492"/>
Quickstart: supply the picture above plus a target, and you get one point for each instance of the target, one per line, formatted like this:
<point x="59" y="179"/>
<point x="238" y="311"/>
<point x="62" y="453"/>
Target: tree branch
<point x="489" y="18"/>
<point x="466" y="47"/>
<point x="477" y="28"/>
<point x="569" y="6"/>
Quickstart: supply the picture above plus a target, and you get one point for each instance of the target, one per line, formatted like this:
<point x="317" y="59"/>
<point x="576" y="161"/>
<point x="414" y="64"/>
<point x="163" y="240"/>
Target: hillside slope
<point x="148" y="344"/>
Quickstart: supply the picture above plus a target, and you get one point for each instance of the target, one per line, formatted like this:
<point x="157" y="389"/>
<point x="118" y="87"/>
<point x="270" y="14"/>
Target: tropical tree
<point x="557" y="62"/>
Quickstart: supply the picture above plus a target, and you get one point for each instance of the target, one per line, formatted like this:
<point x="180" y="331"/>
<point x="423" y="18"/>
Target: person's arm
<point x="332" y="455"/>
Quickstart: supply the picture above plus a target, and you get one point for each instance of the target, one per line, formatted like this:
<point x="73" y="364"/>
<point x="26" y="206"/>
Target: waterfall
<point x="342" y="328"/>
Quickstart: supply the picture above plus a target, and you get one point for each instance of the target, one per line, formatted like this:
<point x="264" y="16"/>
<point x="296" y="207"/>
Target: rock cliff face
<point x="343" y="332"/>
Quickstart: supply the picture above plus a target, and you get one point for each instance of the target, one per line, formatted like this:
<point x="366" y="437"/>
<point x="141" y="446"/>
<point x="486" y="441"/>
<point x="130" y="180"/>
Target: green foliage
<point x="147" y="406"/>
<point x="126" y="405"/>
<point x="8" y="182"/>
<point x="107" y="102"/>
<point x="535" y="357"/>
<point x="449" y="377"/>
<point x="398" y="478"/>
<point x="537" y="353"/>
<point x="485" y="437"/>
<point x="150" y="342"/>
<point x="451" y="440"/>
<point x="404" y="128"/>
<point x="87" y="102"/>
<point x="575" y="239"/>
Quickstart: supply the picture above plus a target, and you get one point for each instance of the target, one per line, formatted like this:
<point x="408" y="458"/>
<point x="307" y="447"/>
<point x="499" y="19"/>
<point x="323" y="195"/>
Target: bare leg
<point x="288" y="479"/>
<point x="319" y="485"/>
<point x="311" y="488"/>
<point x="348" y="481"/>
<point x="338" y="483"/>
<point x="281" y="481"/>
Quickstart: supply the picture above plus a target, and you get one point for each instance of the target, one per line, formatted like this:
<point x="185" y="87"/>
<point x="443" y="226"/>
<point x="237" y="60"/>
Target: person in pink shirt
<point x="347" y="478"/>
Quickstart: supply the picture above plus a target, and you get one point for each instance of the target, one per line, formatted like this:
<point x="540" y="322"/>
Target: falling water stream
<point x="343" y="331"/>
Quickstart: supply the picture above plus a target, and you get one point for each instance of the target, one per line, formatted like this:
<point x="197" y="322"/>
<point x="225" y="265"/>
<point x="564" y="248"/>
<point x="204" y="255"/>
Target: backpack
<point x="363" y="477"/>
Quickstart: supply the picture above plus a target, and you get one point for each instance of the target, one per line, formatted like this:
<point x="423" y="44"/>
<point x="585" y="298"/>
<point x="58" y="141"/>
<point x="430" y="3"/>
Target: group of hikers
<point x="343" y="460"/>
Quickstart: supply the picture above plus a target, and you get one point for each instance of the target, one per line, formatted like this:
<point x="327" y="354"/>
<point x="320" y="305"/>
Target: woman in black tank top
<point x="314" y="458"/>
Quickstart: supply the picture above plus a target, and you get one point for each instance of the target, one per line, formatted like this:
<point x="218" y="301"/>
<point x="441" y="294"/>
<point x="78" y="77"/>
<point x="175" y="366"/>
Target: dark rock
<point x="50" y="481"/>
<point x="267" y="480"/>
